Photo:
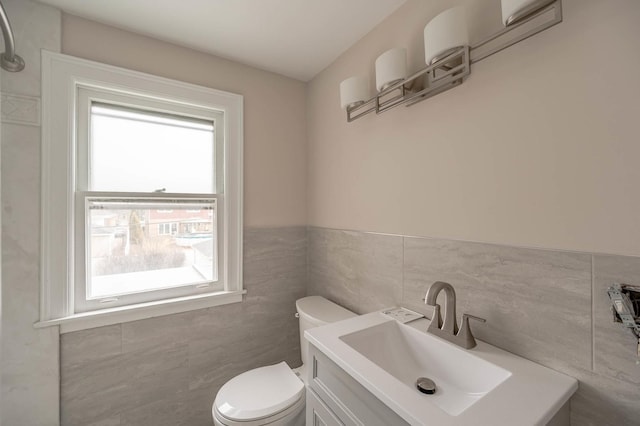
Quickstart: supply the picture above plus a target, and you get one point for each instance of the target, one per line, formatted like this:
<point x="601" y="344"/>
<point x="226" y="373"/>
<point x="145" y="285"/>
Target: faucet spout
<point x="448" y="329"/>
<point x="449" y="325"/>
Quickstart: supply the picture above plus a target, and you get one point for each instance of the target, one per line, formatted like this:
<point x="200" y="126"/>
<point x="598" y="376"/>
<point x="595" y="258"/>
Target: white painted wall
<point x="30" y="368"/>
<point x="275" y="153"/>
<point x="539" y="147"/>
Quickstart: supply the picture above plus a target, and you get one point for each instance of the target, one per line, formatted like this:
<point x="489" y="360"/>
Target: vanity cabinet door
<point x="352" y="404"/>
<point x="319" y="414"/>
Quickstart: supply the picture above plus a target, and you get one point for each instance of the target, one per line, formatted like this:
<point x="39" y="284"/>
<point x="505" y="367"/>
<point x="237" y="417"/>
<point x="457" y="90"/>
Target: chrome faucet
<point x="448" y="329"/>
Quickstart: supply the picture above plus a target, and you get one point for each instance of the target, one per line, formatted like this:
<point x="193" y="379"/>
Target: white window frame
<point x="63" y="79"/>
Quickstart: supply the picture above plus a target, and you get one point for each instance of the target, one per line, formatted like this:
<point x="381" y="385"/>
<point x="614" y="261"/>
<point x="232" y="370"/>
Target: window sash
<point x="84" y="202"/>
<point x="92" y="96"/>
<point x="88" y="96"/>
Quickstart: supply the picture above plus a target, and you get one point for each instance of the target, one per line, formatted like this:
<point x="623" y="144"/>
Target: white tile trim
<point x="20" y="109"/>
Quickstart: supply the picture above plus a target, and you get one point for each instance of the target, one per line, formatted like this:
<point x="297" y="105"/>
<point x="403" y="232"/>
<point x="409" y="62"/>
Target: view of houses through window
<point x="137" y="249"/>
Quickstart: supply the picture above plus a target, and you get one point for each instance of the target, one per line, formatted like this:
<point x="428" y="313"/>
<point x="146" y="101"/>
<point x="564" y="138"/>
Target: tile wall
<point x="167" y="370"/>
<point x="30" y="372"/>
<point x="548" y="306"/>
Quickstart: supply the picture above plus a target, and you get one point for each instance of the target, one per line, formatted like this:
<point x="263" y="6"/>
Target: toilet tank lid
<point x="320" y="310"/>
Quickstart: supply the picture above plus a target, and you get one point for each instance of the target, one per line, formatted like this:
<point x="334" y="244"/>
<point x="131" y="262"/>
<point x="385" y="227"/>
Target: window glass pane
<point x="141" y="151"/>
<point x="135" y="246"/>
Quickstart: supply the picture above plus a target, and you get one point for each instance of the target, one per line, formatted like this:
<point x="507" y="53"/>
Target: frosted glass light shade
<point x="353" y="90"/>
<point x="391" y="66"/>
<point x="512" y="10"/>
<point x="445" y="32"/>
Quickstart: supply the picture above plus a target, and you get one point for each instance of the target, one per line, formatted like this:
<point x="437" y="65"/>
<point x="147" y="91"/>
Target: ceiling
<point x="296" y="38"/>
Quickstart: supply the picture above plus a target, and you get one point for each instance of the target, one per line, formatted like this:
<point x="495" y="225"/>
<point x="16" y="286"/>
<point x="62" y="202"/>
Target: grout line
<point x="306" y="263"/>
<point x="402" y="274"/>
<point x="593" y="315"/>
<point x="492" y="243"/>
<point x="121" y="339"/>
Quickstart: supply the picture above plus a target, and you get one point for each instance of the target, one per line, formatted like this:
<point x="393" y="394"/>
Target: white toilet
<point x="275" y="395"/>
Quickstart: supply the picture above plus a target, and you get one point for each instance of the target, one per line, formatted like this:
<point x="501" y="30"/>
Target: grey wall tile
<point x="92" y="389"/>
<point x="90" y="345"/>
<point x="537" y="303"/>
<point x="131" y="393"/>
<point x="361" y="271"/>
<point x="200" y="402"/>
<point x="162" y="385"/>
<point x="275" y="254"/>
<point x="171" y="411"/>
<point x="110" y="421"/>
<point x="275" y="269"/>
<point x="167" y="370"/>
<point x="614" y="346"/>
<point x="115" y="371"/>
<point x="156" y="332"/>
<point x="30" y="364"/>
<point x="268" y="334"/>
<point x="604" y="401"/>
<point x="99" y="406"/>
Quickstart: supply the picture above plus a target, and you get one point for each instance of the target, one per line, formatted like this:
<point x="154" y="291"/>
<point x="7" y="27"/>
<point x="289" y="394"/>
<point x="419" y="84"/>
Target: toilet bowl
<point x="272" y="395"/>
<point x="275" y="395"/>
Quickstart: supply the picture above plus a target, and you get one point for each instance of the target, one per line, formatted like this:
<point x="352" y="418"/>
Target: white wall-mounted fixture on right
<point x="448" y="56"/>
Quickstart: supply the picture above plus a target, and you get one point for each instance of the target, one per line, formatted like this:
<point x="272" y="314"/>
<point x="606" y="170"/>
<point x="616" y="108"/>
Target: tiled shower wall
<point x="167" y="370"/>
<point x="548" y="306"/>
<point x="29" y="393"/>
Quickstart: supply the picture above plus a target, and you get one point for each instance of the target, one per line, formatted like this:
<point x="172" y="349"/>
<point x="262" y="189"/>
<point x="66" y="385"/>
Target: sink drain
<point x="426" y="385"/>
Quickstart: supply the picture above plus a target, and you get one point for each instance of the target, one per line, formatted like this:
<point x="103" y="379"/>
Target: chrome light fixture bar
<point x="439" y="77"/>
<point x="520" y="26"/>
<point x="450" y="69"/>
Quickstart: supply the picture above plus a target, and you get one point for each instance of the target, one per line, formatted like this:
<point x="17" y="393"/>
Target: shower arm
<point x="9" y="60"/>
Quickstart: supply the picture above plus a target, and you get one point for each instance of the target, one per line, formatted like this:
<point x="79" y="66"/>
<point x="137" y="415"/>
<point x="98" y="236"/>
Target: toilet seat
<point x="258" y="394"/>
<point x="283" y="418"/>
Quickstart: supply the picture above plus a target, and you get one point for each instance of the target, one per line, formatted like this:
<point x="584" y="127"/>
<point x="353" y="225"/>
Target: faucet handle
<point x="473" y="317"/>
<point x="465" y="336"/>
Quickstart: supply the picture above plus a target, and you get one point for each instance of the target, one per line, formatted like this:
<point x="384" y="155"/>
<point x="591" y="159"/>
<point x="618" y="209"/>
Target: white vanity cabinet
<point x="360" y="371"/>
<point x="335" y="398"/>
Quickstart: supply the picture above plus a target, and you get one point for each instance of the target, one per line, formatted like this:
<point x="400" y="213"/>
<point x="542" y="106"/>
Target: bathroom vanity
<point x="363" y="371"/>
<point x="335" y="398"/>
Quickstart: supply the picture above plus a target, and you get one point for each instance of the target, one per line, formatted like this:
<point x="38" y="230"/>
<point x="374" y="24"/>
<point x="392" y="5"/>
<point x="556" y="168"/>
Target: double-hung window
<point x="142" y="195"/>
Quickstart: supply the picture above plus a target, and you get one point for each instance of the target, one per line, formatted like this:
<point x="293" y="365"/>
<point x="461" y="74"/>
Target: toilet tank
<point x="314" y="311"/>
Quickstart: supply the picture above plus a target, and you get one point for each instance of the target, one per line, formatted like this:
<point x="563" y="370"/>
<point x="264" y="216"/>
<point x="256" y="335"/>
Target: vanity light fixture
<point x="354" y="92"/>
<point x="391" y="67"/>
<point x="444" y="34"/>
<point x="448" y="56"/>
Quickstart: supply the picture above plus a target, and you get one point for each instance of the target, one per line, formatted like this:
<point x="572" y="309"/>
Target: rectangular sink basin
<point x="461" y="379"/>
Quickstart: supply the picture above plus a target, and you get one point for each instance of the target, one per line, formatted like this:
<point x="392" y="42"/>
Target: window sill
<point x="103" y="317"/>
